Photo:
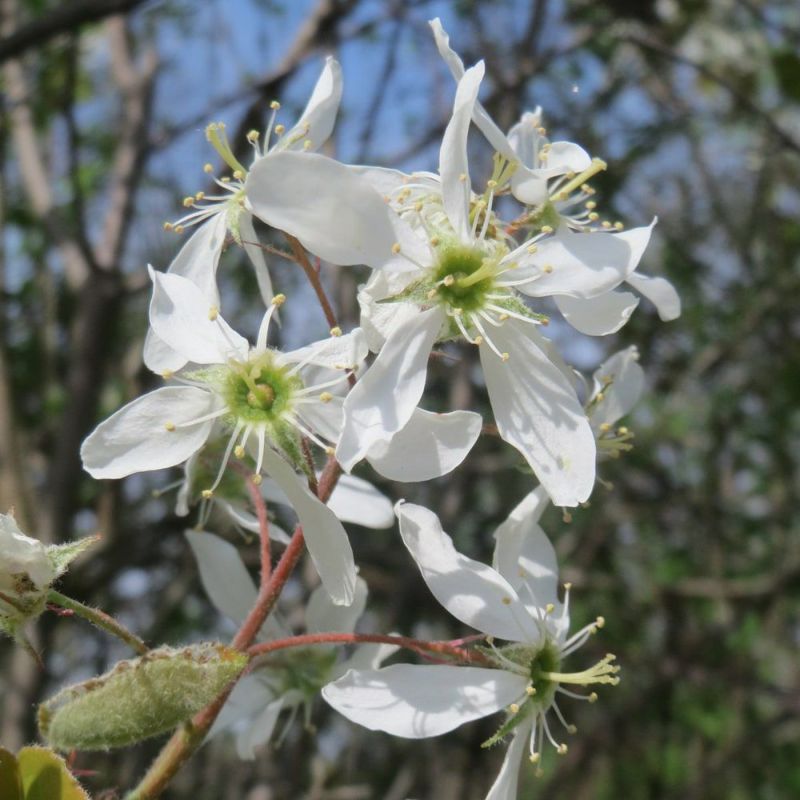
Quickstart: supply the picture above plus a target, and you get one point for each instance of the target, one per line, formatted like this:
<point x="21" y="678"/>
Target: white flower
<point x="229" y="213"/>
<point x="260" y="395"/>
<point x="517" y="602"/>
<point x="292" y="678"/>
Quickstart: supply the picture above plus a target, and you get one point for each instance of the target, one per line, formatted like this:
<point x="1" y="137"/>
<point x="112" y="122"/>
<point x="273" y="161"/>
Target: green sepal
<point x="140" y="698"/>
<point x="62" y="555"/>
<point x="526" y="709"/>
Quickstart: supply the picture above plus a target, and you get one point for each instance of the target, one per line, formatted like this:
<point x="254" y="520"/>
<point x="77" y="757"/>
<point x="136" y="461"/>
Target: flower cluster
<point x="452" y="264"/>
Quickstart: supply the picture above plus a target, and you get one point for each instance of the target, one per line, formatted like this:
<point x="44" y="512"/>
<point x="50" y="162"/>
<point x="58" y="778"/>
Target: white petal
<point x="224" y="576"/>
<point x="335" y="213"/>
<point x="336" y="352"/>
<point x="383" y="400"/>
<point x="259" y="731"/>
<point x="660" y="292"/>
<point x="21" y="554"/>
<point x="325" y="419"/>
<point x="198" y="259"/>
<point x="317" y="120"/>
<point x="365" y="656"/>
<point x="356" y="500"/>
<point x="249" y="521"/>
<point x="505" y="786"/>
<point x="537" y="412"/>
<point x="185" y="320"/>
<point x="529" y="187"/>
<point x="256" y="256"/>
<point x="622" y="394"/>
<point x="471" y="591"/>
<point x="325" y="537"/>
<point x="580" y="264"/>
<point x="416" y="702"/>
<point x="159" y="357"/>
<point x="511" y="532"/>
<point x="483" y="121"/>
<point x="453" y="162"/>
<point x="429" y="446"/>
<point x="250" y="695"/>
<point x="379" y="319"/>
<point x="566" y="157"/>
<point x="135" y="439"/>
<point x="322" y="616"/>
<point x="598" y="316"/>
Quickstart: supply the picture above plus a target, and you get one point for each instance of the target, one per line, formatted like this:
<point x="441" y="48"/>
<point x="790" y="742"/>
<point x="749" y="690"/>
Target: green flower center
<point x="259" y="390"/>
<point x="544" y="662"/>
<point x="463" y="277"/>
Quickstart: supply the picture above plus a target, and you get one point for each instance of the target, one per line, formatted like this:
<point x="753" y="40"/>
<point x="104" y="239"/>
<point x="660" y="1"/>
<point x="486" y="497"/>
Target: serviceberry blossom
<point x="516" y="602"/>
<point x="216" y="217"/>
<point x="289" y="680"/>
<point x="263" y="399"/>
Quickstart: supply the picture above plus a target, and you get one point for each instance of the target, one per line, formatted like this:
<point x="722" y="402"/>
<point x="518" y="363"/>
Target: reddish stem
<point x="263" y="528"/>
<point x="418" y="645"/>
<point x="314" y="280"/>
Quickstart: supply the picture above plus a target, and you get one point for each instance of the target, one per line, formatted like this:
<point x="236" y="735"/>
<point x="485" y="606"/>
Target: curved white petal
<point x="621" y="380"/>
<point x="379" y="319"/>
<point x="580" y="264"/>
<point x="159" y="357"/>
<point x="256" y="255"/>
<point x="416" y="702"/>
<point x="185" y="320"/>
<point x="471" y="591"/>
<point x="483" y="121"/>
<point x="660" y="292"/>
<point x="505" y="786"/>
<point x="566" y="157"/>
<point x="598" y="316"/>
<point x="21" y="554"/>
<point x="136" y="438"/>
<point x="198" y="259"/>
<point x="259" y="731"/>
<point x="429" y="446"/>
<point x="249" y="521"/>
<point x="453" y="161"/>
<point x="223" y="574"/>
<point x="317" y="120"/>
<point x="356" y="500"/>
<point x="365" y="656"/>
<point x="537" y="412"/>
<point x="529" y="187"/>
<point x="510" y="533"/>
<point x="336" y="352"/>
<point x="334" y="212"/>
<point x="325" y="537"/>
<point x="250" y="695"/>
<point x="322" y="616"/>
<point x="383" y="400"/>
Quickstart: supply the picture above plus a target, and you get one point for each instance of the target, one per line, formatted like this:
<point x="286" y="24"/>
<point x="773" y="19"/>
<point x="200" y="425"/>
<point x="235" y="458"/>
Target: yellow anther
<point x="513" y="708"/>
<point x="547" y="228"/>
<point x="238" y="175"/>
<point x="506" y="601"/>
<point x="336" y="331"/>
<point x="257" y="479"/>
<point x="622" y="431"/>
<point x="591" y="205"/>
<point x="213" y="313"/>
<point x="478" y="340"/>
<point x="167" y="374"/>
<point x="179" y="229"/>
<point x="168" y="226"/>
<point x="600" y="397"/>
<point x="605" y="427"/>
<point x="252" y="136"/>
<point x="435" y="241"/>
<point x="600" y="622"/>
<point x="199" y="195"/>
<point x="274" y="105"/>
<point x="562" y="749"/>
<point x="307" y="144"/>
<point x="593" y="697"/>
<point x="549" y="608"/>
<point x="548" y="268"/>
<point x="329" y="451"/>
<point x="618" y="225"/>
<point x="431" y="294"/>
<point x="169" y="426"/>
<point x="534" y="758"/>
<point x="504" y="357"/>
<point x="530" y="691"/>
<point x="572" y="729"/>
<point x="448" y="280"/>
<point x="280" y="129"/>
<point x="208" y="168"/>
<point x="463" y="177"/>
<point x="532" y="248"/>
<point x="606" y="224"/>
<point x="278" y="300"/>
<point x="225" y="179"/>
<point x="239" y="451"/>
<point x="567" y="586"/>
<point x="594" y="216"/>
<point x="207" y="494"/>
<point x="326" y="397"/>
<point x="396" y="248"/>
<point x="542" y="130"/>
<point x="503" y="317"/>
<point x="188" y="202"/>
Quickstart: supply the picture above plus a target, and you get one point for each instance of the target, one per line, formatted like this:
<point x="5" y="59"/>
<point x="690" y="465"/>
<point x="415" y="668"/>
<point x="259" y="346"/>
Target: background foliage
<point x="693" y="557"/>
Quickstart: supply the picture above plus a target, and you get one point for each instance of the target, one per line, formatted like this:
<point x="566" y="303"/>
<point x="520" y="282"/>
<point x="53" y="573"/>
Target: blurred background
<point x="692" y="556"/>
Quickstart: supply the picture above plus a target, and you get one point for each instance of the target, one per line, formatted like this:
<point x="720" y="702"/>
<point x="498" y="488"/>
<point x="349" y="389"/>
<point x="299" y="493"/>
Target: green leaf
<point x="10" y="785"/>
<point x="45" y="776"/>
<point x="139" y="698"/>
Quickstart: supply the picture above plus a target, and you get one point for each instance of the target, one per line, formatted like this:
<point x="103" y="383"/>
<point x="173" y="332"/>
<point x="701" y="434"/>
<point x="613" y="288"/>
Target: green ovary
<point x="545" y="661"/>
<point x="259" y="391"/>
<point x="463" y="277"/>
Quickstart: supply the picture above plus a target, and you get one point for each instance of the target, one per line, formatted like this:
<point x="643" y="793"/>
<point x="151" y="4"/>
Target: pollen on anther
<point x="448" y="280"/>
<point x="307" y="145"/>
<point x="600" y="622"/>
<point x="572" y="729"/>
<point x="336" y="331"/>
<point x="396" y="248"/>
<point x="168" y="226"/>
<point x="207" y="494"/>
<point x="593" y="697"/>
<point x="534" y="758"/>
<point x="167" y="374"/>
<point x="549" y="608"/>
<point x="619" y="226"/>
<point x="506" y="601"/>
<point x="239" y="451"/>
<point x="208" y="169"/>
<point x="478" y="340"/>
<point x="562" y="749"/>
<point x="329" y="451"/>
<point x="169" y="426"/>
<point x="238" y="174"/>
<point x="199" y="195"/>
<point x="502" y="317"/>
<point x="188" y="202"/>
<point x="463" y="177"/>
<point x="513" y="708"/>
<point x="532" y="248"/>
<point x="548" y="268"/>
<point x="213" y="313"/>
<point x="504" y="356"/>
<point x="179" y="229"/>
<point x="568" y="586"/>
<point x="257" y="479"/>
<point x="278" y="300"/>
<point x="274" y="105"/>
<point x="530" y="691"/>
<point x="326" y="397"/>
<point x="252" y="136"/>
<point x="280" y="129"/>
<point x="547" y="228"/>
